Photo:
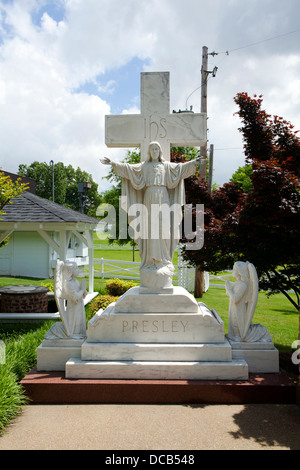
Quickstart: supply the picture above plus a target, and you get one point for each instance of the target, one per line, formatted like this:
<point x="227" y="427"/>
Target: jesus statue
<point x="151" y="187"/>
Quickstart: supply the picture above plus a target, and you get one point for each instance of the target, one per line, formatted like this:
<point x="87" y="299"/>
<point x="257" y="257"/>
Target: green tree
<point x="8" y="191"/>
<point x="242" y="176"/>
<point x="112" y="195"/>
<point x="132" y="156"/>
<point x="66" y="180"/>
<point x="92" y="198"/>
<point x="42" y="174"/>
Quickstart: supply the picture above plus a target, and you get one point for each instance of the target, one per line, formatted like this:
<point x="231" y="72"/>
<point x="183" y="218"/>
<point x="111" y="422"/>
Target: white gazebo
<point x="41" y="232"/>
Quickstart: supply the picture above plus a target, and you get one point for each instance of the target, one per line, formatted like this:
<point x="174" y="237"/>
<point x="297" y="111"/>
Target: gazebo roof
<point x="31" y="208"/>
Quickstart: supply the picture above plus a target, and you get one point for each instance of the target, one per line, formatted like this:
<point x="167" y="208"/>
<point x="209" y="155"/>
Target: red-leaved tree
<point x="261" y="226"/>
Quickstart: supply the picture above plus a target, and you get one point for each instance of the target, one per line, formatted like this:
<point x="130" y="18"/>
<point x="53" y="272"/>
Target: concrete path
<point x="155" y="427"/>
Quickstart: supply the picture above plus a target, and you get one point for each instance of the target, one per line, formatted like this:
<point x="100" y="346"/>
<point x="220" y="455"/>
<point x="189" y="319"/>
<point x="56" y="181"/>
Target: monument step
<point x="156" y="352"/>
<point x="234" y="370"/>
<point x="55" y="388"/>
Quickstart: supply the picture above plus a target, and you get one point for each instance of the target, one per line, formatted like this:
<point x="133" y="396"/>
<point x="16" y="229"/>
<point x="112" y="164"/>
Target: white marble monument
<point x="151" y="188"/>
<point x="65" y="338"/>
<point x="249" y="341"/>
<point x="156" y="330"/>
<point x="155" y="123"/>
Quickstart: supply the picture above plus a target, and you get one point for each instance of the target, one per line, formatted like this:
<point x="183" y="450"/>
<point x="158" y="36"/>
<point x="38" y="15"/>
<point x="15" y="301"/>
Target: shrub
<point x="101" y="301"/>
<point x="118" y="287"/>
<point x="49" y="285"/>
<point x="21" y="342"/>
<point x="114" y="289"/>
<point x="12" y="397"/>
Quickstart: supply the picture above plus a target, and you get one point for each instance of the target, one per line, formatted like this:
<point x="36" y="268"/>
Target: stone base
<point x="203" y="326"/>
<point x="259" y="360"/>
<point x="53" y="354"/>
<point x="234" y="370"/>
<point x="260" y="356"/>
<point x="146" y="300"/>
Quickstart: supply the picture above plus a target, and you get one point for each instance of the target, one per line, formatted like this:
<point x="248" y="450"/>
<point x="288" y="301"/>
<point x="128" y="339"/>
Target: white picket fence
<point x="184" y="275"/>
<point x="131" y="271"/>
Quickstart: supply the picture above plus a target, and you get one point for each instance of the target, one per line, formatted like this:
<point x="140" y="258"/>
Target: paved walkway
<point x="155" y="427"/>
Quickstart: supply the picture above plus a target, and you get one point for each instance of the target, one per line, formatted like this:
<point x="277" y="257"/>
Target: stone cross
<point x="155" y="123"/>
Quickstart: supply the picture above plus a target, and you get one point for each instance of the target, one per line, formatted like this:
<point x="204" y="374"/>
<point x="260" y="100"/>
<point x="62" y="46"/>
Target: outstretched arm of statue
<point x="188" y="168"/>
<point x="106" y="161"/>
<point x="121" y="169"/>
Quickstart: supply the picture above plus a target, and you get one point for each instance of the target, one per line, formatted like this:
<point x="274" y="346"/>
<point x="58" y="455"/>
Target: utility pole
<point x="52" y="163"/>
<point x="199" y="275"/>
<point x="204" y="75"/>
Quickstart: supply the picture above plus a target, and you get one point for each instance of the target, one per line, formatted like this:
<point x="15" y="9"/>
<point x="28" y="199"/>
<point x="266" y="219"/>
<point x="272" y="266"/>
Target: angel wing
<point x="58" y="294"/>
<point x="251" y="298"/>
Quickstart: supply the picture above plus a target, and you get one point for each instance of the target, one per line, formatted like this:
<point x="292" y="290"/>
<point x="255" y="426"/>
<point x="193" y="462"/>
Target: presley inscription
<point x="155" y="326"/>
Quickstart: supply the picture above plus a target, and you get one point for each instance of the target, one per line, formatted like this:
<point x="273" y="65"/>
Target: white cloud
<point x="132" y="110"/>
<point x="44" y="63"/>
<point x="109" y="87"/>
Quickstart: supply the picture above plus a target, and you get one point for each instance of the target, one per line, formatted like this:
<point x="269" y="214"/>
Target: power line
<point x="239" y="48"/>
<point x="260" y="42"/>
<point x="186" y="101"/>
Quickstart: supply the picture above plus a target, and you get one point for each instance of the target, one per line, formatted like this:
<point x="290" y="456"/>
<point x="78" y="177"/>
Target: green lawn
<point x="15" y="281"/>
<point x="115" y="254"/>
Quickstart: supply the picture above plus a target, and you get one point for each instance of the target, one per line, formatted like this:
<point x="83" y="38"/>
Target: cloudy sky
<point x="65" y="64"/>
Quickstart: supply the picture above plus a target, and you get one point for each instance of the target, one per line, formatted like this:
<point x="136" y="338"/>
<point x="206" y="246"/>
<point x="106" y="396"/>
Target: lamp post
<point x="52" y="163"/>
<point x="83" y="189"/>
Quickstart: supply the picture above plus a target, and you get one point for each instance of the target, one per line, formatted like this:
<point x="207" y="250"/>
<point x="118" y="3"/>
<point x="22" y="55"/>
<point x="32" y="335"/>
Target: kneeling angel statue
<point x="69" y="295"/>
<point x="243" y="294"/>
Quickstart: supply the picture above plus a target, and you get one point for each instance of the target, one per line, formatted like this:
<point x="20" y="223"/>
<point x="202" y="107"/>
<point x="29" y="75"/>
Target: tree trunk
<point x="198" y="289"/>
